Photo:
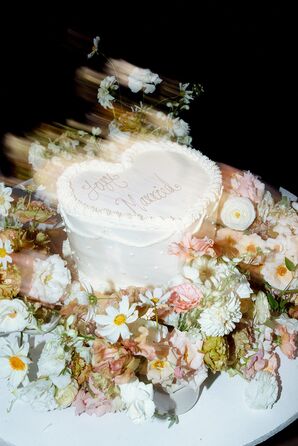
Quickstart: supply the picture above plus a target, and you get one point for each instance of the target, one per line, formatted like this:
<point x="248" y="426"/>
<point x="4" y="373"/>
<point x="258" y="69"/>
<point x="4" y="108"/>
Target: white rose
<point x="52" y="362"/>
<point x="262" y="391"/>
<point x="14" y="315"/>
<point x="261" y="310"/>
<point x="65" y="396"/>
<point x="50" y="279"/>
<point x="238" y="213"/>
<point x="40" y="395"/>
<point x="138" y="399"/>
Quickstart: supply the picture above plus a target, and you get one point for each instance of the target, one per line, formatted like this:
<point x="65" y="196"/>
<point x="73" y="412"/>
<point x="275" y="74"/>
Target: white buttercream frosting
<point x="121" y="217"/>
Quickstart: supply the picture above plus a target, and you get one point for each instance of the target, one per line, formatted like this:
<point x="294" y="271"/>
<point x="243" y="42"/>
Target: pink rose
<point x="184" y="297"/>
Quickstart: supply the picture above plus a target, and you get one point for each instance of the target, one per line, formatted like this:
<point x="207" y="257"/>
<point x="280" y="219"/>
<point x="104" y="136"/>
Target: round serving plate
<point x="220" y="417"/>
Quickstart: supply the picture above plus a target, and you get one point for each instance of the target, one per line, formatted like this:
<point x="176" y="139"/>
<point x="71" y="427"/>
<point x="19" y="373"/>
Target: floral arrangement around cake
<point x="233" y="308"/>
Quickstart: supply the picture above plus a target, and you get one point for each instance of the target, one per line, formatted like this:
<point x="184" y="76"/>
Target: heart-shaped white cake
<point x="122" y="217"/>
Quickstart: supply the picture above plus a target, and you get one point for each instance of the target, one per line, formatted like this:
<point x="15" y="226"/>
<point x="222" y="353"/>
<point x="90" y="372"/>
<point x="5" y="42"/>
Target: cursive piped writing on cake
<point x="159" y="192"/>
<point x="106" y="182"/>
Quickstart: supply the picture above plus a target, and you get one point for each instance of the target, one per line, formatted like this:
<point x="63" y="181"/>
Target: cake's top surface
<point x="156" y="182"/>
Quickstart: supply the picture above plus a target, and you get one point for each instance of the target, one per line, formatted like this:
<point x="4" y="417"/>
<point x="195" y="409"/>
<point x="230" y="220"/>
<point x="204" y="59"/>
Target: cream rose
<point x="238" y="213"/>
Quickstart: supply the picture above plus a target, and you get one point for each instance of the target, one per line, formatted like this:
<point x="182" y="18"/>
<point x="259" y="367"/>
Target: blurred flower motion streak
<point x="123" y="103"/>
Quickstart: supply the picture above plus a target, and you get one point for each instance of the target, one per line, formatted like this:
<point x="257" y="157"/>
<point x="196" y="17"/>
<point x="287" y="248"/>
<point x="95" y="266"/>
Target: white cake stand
<point x="219" y="418"/>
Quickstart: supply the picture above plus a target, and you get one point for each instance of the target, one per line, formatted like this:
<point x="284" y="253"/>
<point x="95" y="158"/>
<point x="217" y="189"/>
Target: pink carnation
<point x="288" y="342"/>
<point x="247" y="185"/>
<point x="190" y="246"/>
<point x="97" y="404"/>
<point x="184" y="297"/>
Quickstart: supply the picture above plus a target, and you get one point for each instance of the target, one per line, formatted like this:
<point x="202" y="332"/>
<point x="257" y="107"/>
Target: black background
<point x="243" y="53"/>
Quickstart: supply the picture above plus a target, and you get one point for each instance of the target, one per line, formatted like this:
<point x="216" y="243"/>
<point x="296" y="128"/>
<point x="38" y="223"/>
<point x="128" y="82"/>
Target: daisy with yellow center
<point x="154" y="298"/>
<point x="5" y="250"/>
<point x="115" y="323"/>
<point x="14" y="361"/>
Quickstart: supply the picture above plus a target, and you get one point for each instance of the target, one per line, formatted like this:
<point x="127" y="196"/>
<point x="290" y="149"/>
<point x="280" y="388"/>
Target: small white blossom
<point x="104" y="95"/>
<point x="179" y="128"/>
<point x="5" y="200"/>
<point x="143" y="79"/>
<point x="94" y="50"/>
<point x="14" y="315"/>
<point x="138" y="399"/>
<point x="262" y="391"/>
<point x="37" y="155"/>
<point x="52" y="364"/>
<point x="115" y="323"/>
<point x="39" y="394"/>
<point x="5" y="250"/>
<point x="77" y="293"/>
<point x="13" y="361"/>
<point x="96" y="131"/>
<point x="220" y="318"/>
<point x="116" y="133"/>
<point x="50" y="279"/>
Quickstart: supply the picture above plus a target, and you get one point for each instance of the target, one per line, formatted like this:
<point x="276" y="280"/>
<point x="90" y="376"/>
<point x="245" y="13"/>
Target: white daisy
<point x="5" y="250"/>
<point x="50" y="279"/>
<point x="107" y="86"/>
<point x="5" y="199"/>
<point x="13" y="361"/>
<point x="154" y="298"/>
<point x="221" y="317"/>
<point x="14" y="315"/>
<point x="143" y="79"/>
<point x="114" y="324"/>
<point x="262" y="391"/>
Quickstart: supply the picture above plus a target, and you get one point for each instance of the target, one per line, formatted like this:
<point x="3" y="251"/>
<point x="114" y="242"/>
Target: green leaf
<point x="173" y="419"/>
<point x="272" y="302"/>
<point x="289" y="264"/>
